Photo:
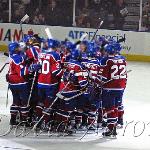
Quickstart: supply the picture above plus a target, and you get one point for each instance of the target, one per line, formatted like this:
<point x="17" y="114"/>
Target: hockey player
<point x="66" y="51"/>
<point x="120" y="106"/>
<point x="93" y="67"/>
<point x="33" y="51"/>
<point x="17" y="84"/>
<point x="48" y="79"/>
<point x="83" y="49"/>
<point x="114" y="77"/>
<point x="77" y="81"/>
<point x="101" y="42"/>
<point x="31" y="57"/>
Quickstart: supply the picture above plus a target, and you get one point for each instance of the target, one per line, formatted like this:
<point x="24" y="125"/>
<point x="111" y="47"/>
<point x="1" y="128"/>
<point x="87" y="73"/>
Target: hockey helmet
<point x="85" y="43"/>
<point x="53" y="43"/>
<point x="101" y="39"/>
<point x="109" y="48"/>
<point x="12" y="47"/>
<point x="69" y="45"/>
<point x="91" y="45"/>
<point x="117" y="47"/>
<point x="75" y="54"/>
<point x="22" y="45"/>
<point x="91" y="52"/>
<point x="27" y="38"/>
<point x="111" y="40"/>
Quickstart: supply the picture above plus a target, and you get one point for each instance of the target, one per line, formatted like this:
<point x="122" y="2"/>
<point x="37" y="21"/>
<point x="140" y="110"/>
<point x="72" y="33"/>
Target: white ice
<point x="137" y="111"/>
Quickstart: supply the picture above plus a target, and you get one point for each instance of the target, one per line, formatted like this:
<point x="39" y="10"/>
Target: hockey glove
<point x="7" y="77"/>
<point x="35" y="67"/>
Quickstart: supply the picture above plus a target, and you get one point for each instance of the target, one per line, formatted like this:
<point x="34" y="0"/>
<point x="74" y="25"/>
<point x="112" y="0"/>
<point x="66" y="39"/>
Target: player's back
<point x="32" y="53"/>
<point x="16" y="64"/>
<point x="49" y="65"/>
<point x="75" y="69"/>
<point x="93" y="66"/>
<point x="114" y="73"/>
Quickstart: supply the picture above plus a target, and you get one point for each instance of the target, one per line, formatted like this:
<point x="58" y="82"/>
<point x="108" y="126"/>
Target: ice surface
<point x="137" y="110"/>
<point x="9" y="145"/>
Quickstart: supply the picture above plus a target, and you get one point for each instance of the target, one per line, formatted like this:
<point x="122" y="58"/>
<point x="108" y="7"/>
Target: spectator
<point x="41" y="19"/>
<point x="83" y="21"/>
<point x="1" y="19"/>
<point x="36" y="20"/>
<point x="37" y="12"/>
<point x="52" y="14"/>
<point x="17" y="16"/>
<point x="66" y="11"/>
<point x="146" y="14"/>
<point x="144" y="27"/>
<point x="27" y="5"/>
<point x="119" y="13"/>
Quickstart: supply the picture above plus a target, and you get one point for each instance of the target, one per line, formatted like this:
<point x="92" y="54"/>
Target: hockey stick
<point x="80" y="40"/>
<point x="67" y="99"/>
<point x="34" y="127"/>
<point x="85" y="34"/>
<point x="7" y="96"/>
<point x="29" y="98"/>
<point x="87" y="130"/>
<point x="22" y="21"/>
<point x="97" y="110"/>
<point x="100" y="24"/>
<point x="3" y="67"/>
<point x="76" y="44"/>
<point x="128" y="71"/>
<point x="48" y="33"/>
<point x="6" y="54"/>
<point x="70" y="98"/>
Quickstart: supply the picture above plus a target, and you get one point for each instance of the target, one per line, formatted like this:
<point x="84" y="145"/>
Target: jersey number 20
<point x="45" y="67"/>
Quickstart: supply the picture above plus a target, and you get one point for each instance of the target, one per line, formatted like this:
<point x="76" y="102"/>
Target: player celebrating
<point x="49" y="77"/>
<point x="114" y="77"/>
<point x="77" y="80"/>
<point x="17" y="84"/>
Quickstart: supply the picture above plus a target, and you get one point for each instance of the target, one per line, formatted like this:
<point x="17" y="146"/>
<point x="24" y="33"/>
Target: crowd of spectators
<point x="47" y="12"/>
<point x="60" y="13"/>
<point x="111" y="11"/>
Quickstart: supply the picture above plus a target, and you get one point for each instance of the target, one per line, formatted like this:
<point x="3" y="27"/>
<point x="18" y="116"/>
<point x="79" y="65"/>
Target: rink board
<point x="136" y="46"/>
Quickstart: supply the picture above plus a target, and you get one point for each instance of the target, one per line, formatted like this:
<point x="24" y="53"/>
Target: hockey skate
<point x="120" y="124"/>
<point x="110" y="133"/>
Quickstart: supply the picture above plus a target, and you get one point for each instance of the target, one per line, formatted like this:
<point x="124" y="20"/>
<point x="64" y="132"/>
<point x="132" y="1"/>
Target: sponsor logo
<point x="75" y="34"/>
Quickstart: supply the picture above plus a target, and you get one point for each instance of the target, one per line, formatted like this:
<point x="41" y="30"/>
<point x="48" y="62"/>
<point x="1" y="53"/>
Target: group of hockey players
<point x="80" y="84"/>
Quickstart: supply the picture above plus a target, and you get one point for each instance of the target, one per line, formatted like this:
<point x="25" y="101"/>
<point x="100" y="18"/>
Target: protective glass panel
<point x="43" y="12"/>
<point x="116" y="14"/>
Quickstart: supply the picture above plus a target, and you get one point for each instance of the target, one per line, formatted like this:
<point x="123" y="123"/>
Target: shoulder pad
<point x="55" y="55"/>
<point x="17" y="59"/>
<point x="121" y="57"/>
<point x="104" y="60"/>
<point x="75" y="62"/>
